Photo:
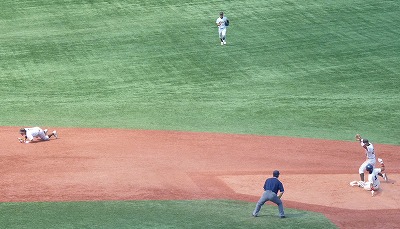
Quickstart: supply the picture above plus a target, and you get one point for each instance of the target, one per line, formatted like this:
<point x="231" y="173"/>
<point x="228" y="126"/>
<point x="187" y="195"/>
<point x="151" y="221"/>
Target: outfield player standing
<point x="222" y="23"/>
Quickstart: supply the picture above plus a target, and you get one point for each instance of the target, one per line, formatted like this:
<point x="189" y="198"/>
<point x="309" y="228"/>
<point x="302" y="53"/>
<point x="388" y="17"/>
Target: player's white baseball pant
<point x="364" y="165"/>
<point x="222" y="33"/>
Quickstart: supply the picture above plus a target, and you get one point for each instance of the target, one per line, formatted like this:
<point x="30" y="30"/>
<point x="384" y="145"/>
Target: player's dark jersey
<point x="274" y="185"/>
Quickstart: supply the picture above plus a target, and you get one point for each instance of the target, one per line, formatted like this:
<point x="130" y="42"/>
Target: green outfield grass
<point x="308" y="69"/>
<point x="153" y="214"/>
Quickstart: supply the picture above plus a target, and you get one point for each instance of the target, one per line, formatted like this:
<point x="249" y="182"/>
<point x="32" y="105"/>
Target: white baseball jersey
<point x="369" y="152"/>
<point x="35" y="132"/>
<point x="373" y="179"/>
<point x="222" y="21"/>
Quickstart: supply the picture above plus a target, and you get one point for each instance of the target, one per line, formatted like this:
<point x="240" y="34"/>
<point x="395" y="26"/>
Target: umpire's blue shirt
<point x="274" y="185"/>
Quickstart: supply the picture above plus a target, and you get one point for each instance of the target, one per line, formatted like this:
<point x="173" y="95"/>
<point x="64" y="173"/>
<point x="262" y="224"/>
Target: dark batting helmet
<point x="369" y="168"/>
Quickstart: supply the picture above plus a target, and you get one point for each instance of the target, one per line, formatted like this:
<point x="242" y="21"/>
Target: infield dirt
<point x="115" y="164"/>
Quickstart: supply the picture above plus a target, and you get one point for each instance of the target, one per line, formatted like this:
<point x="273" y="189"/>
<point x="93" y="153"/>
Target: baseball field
<point x="162" y="127"/>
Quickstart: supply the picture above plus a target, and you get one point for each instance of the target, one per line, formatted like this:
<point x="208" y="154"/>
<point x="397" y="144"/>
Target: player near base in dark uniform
<point x="271" y="187"/>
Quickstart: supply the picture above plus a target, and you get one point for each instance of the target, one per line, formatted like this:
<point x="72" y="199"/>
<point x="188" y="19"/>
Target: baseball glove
<point x="358" y="137"/>
<point x="227" y="22"/>
<point x="20" y="140"/>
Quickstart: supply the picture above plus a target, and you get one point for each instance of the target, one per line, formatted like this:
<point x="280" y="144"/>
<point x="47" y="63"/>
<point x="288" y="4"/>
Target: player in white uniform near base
<point x="370" y="157"/>
<point x="222" y="24"/>
<point x="32" y="133"/>
<point x="373" y="182"/>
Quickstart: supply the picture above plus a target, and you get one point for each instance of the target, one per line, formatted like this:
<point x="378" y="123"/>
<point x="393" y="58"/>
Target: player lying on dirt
<point x="29" y="134"/>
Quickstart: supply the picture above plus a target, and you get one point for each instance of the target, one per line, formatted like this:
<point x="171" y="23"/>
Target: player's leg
<point x="372" y="162"/>
<point x="362" y="176"/>
<point x="224" y="36"/>
<point x="260" y="203"/>
<point x="220" y="36"/>
<point x="275" y="199"/>
<point x="367" y="186"/>
<point x="357" y="183"/>
<point x="43" y="136"/>
<point x="54" y="133"/>
<point x="362" y="169"/>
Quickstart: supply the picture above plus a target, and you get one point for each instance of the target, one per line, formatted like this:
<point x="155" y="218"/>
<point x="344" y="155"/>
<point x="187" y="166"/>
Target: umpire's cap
<point x="275" y="173"/>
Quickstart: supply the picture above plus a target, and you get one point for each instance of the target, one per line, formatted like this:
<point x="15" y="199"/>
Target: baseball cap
<point x="275" y="173"/>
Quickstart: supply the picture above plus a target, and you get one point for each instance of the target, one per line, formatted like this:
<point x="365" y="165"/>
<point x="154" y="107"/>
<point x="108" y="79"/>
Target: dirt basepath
<point x="110" y="164"/>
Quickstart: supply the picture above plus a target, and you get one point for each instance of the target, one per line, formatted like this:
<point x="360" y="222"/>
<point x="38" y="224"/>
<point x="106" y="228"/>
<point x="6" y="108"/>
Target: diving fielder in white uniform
<point x="221" y="23"/>
<point x="29" y="134"/>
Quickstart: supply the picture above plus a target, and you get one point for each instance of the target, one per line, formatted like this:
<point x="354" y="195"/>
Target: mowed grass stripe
<point x="308" y="69"/>
<point x="154" y="214"/>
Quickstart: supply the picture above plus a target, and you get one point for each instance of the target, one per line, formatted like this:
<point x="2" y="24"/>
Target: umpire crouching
<point x="271" y="187"/>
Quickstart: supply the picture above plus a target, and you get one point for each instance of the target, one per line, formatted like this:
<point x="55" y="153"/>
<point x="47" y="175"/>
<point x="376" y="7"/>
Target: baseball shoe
<point x="385" y="176"/>
<point x="222" y="43"/>
<point x="55" y="134"/>
<point x="282" y="216"/>
<point x="45" y="131"/>
<point x="254" y="215"/>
